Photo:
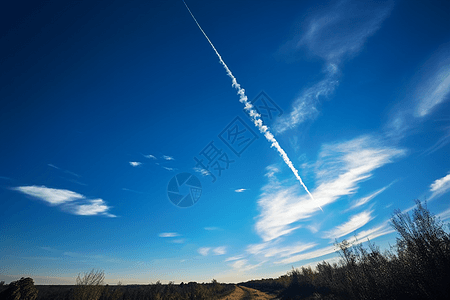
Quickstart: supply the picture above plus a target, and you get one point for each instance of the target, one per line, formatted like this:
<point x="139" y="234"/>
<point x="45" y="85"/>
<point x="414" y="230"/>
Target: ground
<point x="244" y="293"/>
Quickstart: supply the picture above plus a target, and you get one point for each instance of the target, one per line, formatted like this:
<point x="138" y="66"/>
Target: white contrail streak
<point x="255" y="116"/>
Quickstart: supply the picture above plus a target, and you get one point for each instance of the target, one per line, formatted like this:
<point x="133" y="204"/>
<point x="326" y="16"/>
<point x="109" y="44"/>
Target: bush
<point x="22" y="289"/>
<point x="418" y="269"/>
<point x="89" y="285"/>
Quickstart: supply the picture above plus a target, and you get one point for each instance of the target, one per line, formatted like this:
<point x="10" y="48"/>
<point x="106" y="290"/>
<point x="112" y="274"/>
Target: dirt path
<point x="244" y="293"/>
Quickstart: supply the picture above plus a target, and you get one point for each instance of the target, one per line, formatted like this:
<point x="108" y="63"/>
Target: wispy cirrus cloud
<point x="443" y="141"/>
<point x="233" y="258"/>
<point x="342" y="28"/>
<point x="178" y="241"/>
<point x="339" y="170"/>
<point x="308" y="255"/>
<point x="211" y="228"/>
<point x="68" y="201"/>
<point x="306" y="106"/>
<point x="65" y="171"/>
<point x="49" y="195"/>
<point x="243" y="265"/>
<point x="355" y="222"/>
<point x="167" y="157"/>
<point x="361" y="237"/>
<point x="168" y="234"/>
<point x="336" y="32"/>
<point x="271" y="250"/>
<point x="220" y="250"/>
<point x="435" y="87"/>
<point x="444" y="215"/>
<point x="150" y="156"/>
<point x="429" y="88"/>
<point x="214" y="250"/>
<point x="361" y="201"/>
<point x="135" y="163"/>
<point x="202" y="171"/>
<point x="240" y="190"/>
<point x="92" y="208"/>
<point x="203" y="250"/>
<point x="440" y="186"/>
<point x="53" y="166"/>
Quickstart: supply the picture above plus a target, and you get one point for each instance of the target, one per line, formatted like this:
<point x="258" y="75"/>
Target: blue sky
<point x="103" y="103"/>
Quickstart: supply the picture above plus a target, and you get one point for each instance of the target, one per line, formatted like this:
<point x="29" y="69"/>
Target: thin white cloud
<point x="259" y="248"/>
<point x="215" y="251"/>
<point x="444" y="215"/>
<point x="271" y="171"/>
<point x="166" y="157"/>
<point x="434" y="90"/>
<point x="72" y="173"/>
<point x="178" y="241"/>
<point x="169" y="169"/>
<point x="314" y="228"/>
<point x="204" y="251"/>
<point x="233" y="258"/>
<point x="355" y="222"/>
<point x="342" y="29"/>
<point x="72" y="254"/>
<point x="371" y="234"/>
<point x="443" y="141"/>
<point x="364" y="200"/>
<point x="334" y="33"/>
<point x="130" y="190"/>
<point x="94" y="207"/>
<point x="240" y="190"/>
<point x="440" y="186"/>
<point x="69" y="201"/>
<point x="220" y="250"/>
<point x="242" y="265"/>
<point x="288" y="250"/>
<point x="150" y="156"/>
<point x="168" y="234"/>
<point x="135" y="163"/>
<point x="361" y="237"/>
<point x="339" y="170"/>
<point x="211" y="228"/>
<point x="429" y="88"/>
<point x="202" y="171"/>
<point x="306" y="106"/>
<point x="361" y="201"/>
<point x="49" y="195"/>
<point x="309" y="255"/>
<point x="65" y="171"/>
<point x="331" y="261"/>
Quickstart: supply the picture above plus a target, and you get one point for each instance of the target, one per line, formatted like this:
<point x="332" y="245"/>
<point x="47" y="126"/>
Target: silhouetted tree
<point x="22" y="289"/>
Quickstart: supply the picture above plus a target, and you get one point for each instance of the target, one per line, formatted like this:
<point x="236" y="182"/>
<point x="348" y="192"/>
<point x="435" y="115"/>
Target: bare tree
<point x="90" y="285"/>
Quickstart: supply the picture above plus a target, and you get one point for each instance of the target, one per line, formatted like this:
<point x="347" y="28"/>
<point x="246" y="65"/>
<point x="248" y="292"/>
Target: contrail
<point x="255" y="116"/>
